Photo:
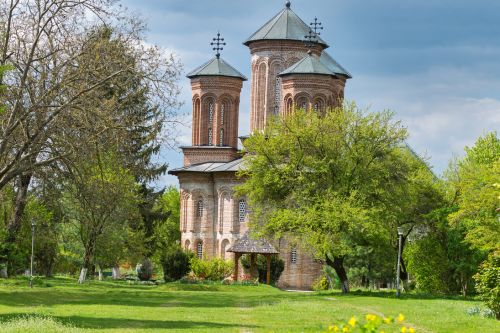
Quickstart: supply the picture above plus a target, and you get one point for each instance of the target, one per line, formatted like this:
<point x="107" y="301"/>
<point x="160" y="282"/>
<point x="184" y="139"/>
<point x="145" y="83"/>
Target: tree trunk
<point x="87" y="260"/>
<point x="14" y="224"/>
<point x="116" y="272"/>
<point x="83" y="275"/>
<point x="403" y="273"/>
<point x="338" y="265"/>
<point x="99" y="271"/>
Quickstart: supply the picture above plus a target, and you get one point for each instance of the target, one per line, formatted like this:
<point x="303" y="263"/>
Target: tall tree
<point x="477" y="184"/>
<point x="70" y="75"/>
<point x="326" y="179"/>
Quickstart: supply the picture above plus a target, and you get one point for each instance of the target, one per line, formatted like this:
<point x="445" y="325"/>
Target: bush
<point x="215" y="269"/>
<point x="321" y="284"/>
<point x="145" y="272"/>
<point x="277" y="267"/>
<point x="488" y="283"/>
<point x="175" y="264"/>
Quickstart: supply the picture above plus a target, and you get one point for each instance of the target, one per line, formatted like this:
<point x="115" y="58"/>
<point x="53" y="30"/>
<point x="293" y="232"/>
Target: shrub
<point x="175" y="263"/>
<point x="277" y="267"/>
<point x="145" y="272"/>
<point x="488" y="283"/>
<point x="321" y="284"/>
<point x="215" y="269"/>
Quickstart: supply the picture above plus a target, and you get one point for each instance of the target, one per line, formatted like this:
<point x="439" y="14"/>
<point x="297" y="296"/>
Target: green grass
<point x="119" y="307"/>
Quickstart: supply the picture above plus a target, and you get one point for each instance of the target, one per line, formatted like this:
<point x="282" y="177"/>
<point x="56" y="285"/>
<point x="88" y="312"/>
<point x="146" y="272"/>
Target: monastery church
<point x="286" y="74"/>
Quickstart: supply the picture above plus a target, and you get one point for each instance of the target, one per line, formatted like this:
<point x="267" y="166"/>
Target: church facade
<point x="286" y="74"/>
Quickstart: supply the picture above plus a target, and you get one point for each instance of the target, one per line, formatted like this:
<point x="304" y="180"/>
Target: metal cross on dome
<point x="218" y="42"/>
<point x="316" y="26"/>
<point x="313" y="37"/>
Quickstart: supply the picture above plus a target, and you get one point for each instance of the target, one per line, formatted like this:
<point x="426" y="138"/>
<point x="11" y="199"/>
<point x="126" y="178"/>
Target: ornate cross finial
<point x="316" y="26"/>
<point x="218" y="43"/>
<point x="312" y="38"/>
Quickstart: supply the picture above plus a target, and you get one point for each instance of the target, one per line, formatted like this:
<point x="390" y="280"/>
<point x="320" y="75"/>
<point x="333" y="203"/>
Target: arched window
<point x="222" y="137"/>
<point x="199" y="250"/>
<point x="242" y="210"/>
<point x="302" y="103"/>
<point x="289" y="106"/>
<point x="199" y="208"/>
<point x="318" y="106"/>
<point x="210" y="121"/>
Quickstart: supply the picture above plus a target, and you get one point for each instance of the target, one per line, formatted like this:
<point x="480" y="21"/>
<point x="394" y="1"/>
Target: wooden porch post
<point x="253" y="265"/>
<point x="236" y="259"/>
<point x="268" y="277"/>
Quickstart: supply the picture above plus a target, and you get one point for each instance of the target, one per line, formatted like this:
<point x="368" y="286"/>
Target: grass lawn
<point x="119" y="307"/>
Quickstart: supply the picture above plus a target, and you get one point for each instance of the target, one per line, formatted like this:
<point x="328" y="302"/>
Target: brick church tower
<point x="216" y="88"/>
<point x="286" y="74"/>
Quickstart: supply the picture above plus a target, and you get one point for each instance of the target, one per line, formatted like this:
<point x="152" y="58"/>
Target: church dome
<point x="310" y="64"/>
<point x="216" y="67"/>
<point x="285" y="25"/>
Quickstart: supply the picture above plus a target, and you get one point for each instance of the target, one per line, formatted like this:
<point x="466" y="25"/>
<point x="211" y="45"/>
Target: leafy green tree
<point x="477" y="184"/>
<point x="329" y="180"/>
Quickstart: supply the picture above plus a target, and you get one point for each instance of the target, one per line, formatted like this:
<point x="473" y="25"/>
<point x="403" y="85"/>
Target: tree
<point x="66" y="74"/>
<point x="327" y="180"/>
<point x="101" y="195"/>
<point x="477" y="184"/>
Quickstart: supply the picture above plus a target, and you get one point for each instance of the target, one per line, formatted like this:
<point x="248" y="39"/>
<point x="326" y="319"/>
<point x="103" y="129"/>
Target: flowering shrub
<point x="373" y="324"/>
<point x="215" y="269"/>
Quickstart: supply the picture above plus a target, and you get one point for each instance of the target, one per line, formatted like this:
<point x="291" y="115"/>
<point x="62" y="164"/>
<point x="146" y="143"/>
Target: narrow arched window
<point x="199" y="250"/>
<point x="289" y="106"/>
<point x="293" y="256"/>
<point x="242" y="210"/>
<point x="199" y="210"/>
<point x="221" y="137"/>
<point x="210" y="121"/>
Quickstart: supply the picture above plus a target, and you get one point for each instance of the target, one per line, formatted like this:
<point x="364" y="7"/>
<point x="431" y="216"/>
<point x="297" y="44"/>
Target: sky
<point x="435" y="63"/>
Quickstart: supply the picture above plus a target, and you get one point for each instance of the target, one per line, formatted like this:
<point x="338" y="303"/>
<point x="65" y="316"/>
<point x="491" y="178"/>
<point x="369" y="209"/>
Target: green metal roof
<point x="285" y="25"/>
<point x="310" y="64"/>
<point x="216" y="67"/>
<point x="333" y="65"/>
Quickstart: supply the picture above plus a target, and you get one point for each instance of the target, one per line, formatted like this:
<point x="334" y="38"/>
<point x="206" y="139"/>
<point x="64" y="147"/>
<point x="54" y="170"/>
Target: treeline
<point x="339" y="184"/>
<point x="86" y="106"/>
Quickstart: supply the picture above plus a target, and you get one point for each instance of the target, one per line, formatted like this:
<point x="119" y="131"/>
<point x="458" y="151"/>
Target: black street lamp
<point x="400" y="236"/>
<point x="32" y="250"/>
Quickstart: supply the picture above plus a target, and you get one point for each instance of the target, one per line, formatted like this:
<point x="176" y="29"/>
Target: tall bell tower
<point x="276" y="46"/>
<point x="216" y="88"/>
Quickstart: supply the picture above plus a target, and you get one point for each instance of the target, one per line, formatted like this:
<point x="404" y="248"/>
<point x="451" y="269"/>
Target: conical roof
<point x="285" y="25"/>
<point x="333" y="65"/>
<point x="248" y="245"/>
<point x="216" y="67"/>
<point x="310" y="64"/>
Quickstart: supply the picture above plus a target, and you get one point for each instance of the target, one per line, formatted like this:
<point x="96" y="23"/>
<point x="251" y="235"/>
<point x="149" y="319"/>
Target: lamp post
<point x="32" y="250"/>
<point x="400" y="236"/>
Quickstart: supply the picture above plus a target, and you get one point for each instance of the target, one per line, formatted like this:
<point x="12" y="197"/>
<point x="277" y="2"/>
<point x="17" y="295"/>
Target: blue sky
<point x="435" y="63"/>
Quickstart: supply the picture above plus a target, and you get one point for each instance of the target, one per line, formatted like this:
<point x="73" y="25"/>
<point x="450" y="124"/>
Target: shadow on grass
<point x="392" y="295"/>
<point x="138" y="298"/>
<point x="117" y="323"/>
